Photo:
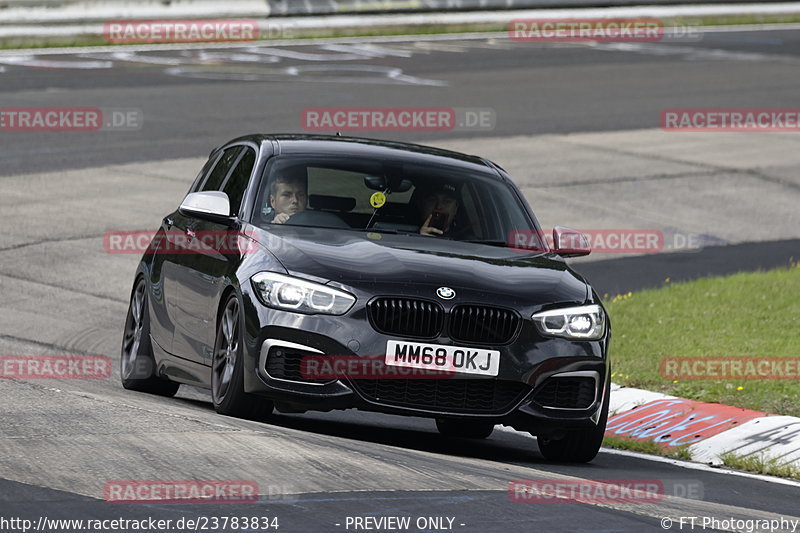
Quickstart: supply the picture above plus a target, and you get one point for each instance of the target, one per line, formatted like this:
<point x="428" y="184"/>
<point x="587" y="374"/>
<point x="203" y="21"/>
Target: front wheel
<point x="137" y="365"/>
<point x="577" y="446"/>
<point x="464" y="429"/>
<point x="227" y="369"/>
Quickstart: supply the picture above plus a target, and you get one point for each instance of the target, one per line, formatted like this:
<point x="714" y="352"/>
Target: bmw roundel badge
<point x="445" y="293"/>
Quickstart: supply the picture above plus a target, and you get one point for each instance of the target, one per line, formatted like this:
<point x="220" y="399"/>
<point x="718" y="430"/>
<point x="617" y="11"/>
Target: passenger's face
<point x="289" y="198"/>
<point x="440" y="202"/>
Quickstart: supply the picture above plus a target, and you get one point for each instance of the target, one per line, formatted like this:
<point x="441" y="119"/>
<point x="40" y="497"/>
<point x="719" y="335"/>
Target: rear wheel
<point x="137" y="365"/>
<point x="227" y="369"/>
<point x="577" y="446"/>
<point x="464" y="429"/>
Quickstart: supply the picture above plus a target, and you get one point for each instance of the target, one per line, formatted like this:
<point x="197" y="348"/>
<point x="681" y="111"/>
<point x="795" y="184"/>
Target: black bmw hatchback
<point x="309" y="272"/>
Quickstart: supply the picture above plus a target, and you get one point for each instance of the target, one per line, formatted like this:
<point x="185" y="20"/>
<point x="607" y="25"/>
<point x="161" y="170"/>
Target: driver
<point x="439" y="207"/>
<point x="288" y="195"/>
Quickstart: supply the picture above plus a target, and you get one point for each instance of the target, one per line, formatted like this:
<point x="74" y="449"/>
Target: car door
<point x="210" y="257"/>
<point x="163" y="273"/>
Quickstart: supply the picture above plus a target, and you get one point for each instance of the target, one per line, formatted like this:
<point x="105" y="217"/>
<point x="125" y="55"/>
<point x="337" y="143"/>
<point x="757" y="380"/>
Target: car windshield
<point x="390" y="197"/>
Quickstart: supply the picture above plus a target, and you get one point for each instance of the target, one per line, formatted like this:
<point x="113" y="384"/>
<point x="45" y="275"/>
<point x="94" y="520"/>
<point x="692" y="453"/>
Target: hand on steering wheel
<point x="281" y="218"/>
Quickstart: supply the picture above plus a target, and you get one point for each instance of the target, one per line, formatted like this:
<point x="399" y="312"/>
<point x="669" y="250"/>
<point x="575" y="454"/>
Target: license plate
<point x="443" y="358"/>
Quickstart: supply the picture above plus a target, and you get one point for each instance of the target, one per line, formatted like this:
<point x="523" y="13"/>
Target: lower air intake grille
<point x="452" y="395"/>
<point x="566" y="393"/>
<point x="284" y="363"/>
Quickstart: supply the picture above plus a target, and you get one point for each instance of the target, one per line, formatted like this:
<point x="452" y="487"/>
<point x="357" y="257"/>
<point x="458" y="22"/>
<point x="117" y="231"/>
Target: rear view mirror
<point x="570" y="243"/>
<point x="376" y="183"/>
<point x="395" y="184"/>
<point x="208" y="205"/>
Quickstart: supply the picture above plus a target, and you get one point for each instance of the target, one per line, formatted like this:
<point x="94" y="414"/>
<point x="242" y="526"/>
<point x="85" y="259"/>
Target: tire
<point x="577" y="446"/>
<point x="136" y="363"/>
<point x="464" y="429"/>
<point x="227" y="369"/>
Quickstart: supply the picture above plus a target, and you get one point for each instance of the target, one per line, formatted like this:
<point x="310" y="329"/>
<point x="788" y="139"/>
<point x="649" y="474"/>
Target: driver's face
<point x="289" y="198"/>
<point x="440" y="202"/>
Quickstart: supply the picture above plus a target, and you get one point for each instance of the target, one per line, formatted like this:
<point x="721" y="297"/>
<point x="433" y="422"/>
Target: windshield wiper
<point x="505" y="244"/>
<point x="383" y="230"/>
<point x="501" y="244"/>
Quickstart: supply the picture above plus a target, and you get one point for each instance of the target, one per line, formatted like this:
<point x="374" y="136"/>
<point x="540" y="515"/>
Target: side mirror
<point x="208" y="205"/>
<point x="570" y="243"/>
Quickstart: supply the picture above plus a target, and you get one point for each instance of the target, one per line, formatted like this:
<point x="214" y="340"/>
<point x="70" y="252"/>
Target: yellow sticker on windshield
<point x="377" y="200"/>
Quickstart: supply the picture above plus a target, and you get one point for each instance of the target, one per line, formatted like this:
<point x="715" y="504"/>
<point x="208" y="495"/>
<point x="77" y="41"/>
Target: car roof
<point x="288" y="143"/>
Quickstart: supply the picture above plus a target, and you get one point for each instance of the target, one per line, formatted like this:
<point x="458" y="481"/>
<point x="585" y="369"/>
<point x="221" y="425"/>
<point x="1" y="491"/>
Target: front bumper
<point x="542" y="385"/>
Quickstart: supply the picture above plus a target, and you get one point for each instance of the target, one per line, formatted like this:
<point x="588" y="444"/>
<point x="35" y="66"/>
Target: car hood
<point x="373" y="262"/>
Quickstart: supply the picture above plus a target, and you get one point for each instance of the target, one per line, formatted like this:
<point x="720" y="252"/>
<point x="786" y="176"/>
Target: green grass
<point x="423" y="29"/>
<point x="729" y="20"/>
<point x="747" y="314"/>
<point x="647" y="446"/>
<point x="761" y="465"/>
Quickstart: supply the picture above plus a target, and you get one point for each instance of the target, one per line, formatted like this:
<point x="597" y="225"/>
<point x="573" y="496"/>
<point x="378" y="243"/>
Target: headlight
<point x="294" y="294"/>
<point x="580" y="323"/>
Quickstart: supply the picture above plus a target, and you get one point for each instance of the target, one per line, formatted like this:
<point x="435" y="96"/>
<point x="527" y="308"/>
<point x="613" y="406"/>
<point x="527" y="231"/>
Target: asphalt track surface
<point x="59" y="442"/>
<point x="194" y="99"/>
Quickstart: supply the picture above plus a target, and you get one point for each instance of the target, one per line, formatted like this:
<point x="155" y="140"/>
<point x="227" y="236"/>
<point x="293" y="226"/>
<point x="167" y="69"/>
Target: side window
<point x="204" y="171"/>
<point x="237" y="182"/>
<point x="214" y="180"/>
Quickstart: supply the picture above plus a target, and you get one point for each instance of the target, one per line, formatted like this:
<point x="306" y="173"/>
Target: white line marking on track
<point x="383" y="73"/>
<point x="220" y="57"/>
<point x="302" y="56"/>
<point x="184" y="72"/>
<point x="372" y="74"/>
<point x="691" y="53"/>
<point x="440" y="47"/>
<point x="368" y="50"/>
<point x="32" y="61"/>
<point x="135" y="57"/>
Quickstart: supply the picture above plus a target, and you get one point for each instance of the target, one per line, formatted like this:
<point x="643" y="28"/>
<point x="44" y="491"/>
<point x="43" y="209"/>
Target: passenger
<point x="439" y="207"/>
